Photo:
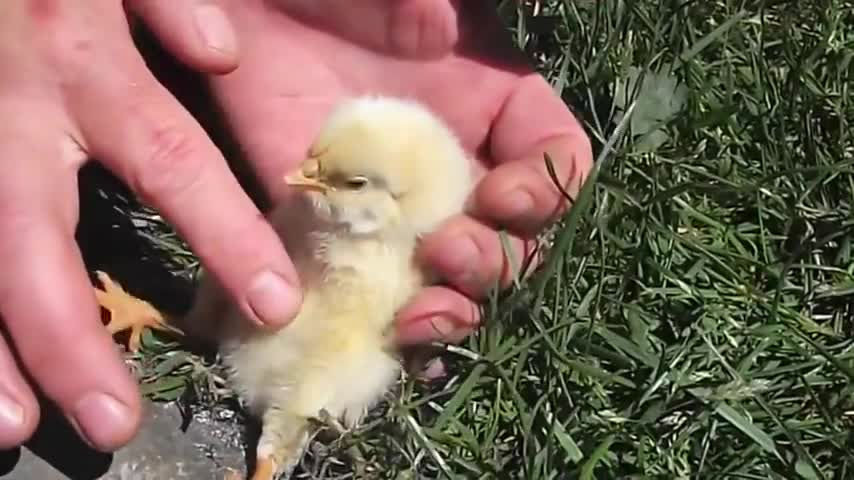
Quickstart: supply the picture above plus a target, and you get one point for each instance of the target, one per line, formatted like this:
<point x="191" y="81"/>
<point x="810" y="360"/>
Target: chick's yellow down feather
<point x="381" y="173"/>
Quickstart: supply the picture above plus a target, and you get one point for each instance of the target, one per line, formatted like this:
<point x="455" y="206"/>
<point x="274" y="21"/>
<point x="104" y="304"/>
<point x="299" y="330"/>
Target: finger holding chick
<point x="450" y="313"/>
<point x="436" y="314"/>
<point x="473" y="259"/>
<point x="517" y="194"/>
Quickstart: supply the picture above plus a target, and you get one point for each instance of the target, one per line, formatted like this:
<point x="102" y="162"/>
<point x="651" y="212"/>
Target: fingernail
<point x="103" y="421"/>
<point x="272" y="299"/>
<point x="11" y="412"/>
<point x="516" y="203"/>
<point x="458" y="258"/>
<point x="215" y="29"/>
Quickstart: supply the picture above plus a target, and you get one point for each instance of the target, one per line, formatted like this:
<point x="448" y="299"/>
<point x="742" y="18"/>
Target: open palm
<point x="299" y="58"/>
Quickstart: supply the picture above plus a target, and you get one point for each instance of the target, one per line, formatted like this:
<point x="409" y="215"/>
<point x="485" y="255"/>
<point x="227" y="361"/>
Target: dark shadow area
<point x="58" y="444"/>
<point x="8" y="460"/>
<point x="109" y="241"/>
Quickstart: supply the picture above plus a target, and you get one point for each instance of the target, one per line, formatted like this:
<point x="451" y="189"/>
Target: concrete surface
<point x="162" y="451"/>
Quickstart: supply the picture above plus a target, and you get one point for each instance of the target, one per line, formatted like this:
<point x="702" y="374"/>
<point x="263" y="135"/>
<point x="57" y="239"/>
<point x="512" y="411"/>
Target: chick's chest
<point x="372" y="276"/>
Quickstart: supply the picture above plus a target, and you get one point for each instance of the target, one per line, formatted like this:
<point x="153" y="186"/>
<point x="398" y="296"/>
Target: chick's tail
<point x="128" y="312"/>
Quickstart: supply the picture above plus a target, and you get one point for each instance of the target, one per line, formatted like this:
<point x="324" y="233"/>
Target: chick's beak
<point x="299" y="180"/>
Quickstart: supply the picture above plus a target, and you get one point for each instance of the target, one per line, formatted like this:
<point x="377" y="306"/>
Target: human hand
<point x="73" y="85"/>
<point x="301" y="56"/>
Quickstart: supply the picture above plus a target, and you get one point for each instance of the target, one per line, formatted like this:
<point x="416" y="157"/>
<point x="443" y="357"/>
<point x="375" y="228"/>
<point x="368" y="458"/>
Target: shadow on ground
<point x="58" y="445"/>
<point x="207" y="450"/>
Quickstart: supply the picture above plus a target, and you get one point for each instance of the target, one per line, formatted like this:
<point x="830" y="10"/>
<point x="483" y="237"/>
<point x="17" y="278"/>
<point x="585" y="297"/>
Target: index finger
<point x="133" y="125"/>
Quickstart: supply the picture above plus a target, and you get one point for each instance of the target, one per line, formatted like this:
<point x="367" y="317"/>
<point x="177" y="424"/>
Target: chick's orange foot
<point x="128" y="312"/>
<point x="265" y="469"/>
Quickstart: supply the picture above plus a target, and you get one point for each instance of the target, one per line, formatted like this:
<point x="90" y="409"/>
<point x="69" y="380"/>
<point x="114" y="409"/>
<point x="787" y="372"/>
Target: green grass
<point x="694" y="316"/>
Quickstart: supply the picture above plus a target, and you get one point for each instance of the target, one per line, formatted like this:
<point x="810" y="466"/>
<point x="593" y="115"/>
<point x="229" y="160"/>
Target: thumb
<point x="196" y="32"/>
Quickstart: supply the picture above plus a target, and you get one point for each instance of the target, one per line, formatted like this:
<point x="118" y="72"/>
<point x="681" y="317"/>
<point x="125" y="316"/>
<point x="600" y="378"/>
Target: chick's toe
<point x="128" y="312"/>
<point x="284" y="436"/>
<point x="265" y="469"/>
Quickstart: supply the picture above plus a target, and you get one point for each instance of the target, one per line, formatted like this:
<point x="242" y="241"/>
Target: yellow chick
<point x="381" y="173"/>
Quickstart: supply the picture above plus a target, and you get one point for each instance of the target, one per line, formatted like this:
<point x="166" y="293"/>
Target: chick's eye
<point x="357" y="183"/>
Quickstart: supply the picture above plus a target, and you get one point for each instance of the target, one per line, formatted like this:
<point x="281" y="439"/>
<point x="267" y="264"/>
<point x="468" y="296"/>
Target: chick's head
<point x="382" y="165"/>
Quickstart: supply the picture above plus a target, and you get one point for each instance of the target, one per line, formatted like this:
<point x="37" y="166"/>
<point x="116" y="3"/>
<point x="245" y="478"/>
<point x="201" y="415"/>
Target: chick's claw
<point x="265" y="469"/>
<point x="128" y="312"/>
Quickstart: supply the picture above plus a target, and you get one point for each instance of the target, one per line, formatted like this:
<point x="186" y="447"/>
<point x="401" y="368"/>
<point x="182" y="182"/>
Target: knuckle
<point x="171" y="166"/>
